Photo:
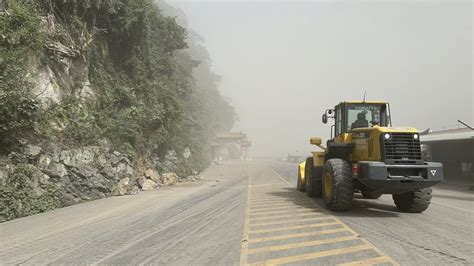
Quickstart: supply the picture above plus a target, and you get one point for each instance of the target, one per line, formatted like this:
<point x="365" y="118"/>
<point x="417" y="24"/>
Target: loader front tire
<point x="338" y="191"/>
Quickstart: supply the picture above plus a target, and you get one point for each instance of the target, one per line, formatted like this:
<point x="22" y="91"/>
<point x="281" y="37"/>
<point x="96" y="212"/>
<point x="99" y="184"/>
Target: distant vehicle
<point x="368" y="155"/>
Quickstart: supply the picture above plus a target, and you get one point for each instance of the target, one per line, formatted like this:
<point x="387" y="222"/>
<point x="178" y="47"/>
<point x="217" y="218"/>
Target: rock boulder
<point x="169" y="178"/>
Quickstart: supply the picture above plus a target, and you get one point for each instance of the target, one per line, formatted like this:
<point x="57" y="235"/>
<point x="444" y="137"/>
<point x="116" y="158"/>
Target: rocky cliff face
<point x="100" y="98"/>
<point x="45" y="173"/>
<point x="62" y="177"/>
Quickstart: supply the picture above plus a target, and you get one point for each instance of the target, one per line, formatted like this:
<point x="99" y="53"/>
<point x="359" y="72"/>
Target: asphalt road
<point x="244" y="213"/>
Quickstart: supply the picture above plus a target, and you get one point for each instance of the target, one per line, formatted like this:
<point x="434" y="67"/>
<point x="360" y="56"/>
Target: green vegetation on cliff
<point x="145" y="99"/>
<point x="115" y="73"/>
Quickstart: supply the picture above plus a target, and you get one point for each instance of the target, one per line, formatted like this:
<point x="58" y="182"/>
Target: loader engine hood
<point x="380" y="130"/>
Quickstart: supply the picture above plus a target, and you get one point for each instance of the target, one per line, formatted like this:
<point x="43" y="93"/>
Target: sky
<point x="283" y="63"/>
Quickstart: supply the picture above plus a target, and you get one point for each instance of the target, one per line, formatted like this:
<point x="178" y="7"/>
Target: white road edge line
<point x="457" y="208"/>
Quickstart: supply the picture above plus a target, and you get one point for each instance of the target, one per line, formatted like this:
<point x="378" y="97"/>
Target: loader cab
<point x="351" y="115"/>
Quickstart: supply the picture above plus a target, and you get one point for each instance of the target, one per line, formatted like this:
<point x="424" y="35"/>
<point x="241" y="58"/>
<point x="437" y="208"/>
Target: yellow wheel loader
<point x="366" y="154"/>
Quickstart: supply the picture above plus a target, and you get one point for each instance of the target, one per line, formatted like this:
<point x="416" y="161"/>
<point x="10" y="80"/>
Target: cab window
<point x="365" y="115"/>
<point x="338" y="121"/>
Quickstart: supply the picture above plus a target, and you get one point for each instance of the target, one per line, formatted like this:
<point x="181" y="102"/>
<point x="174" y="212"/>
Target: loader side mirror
<point x="325" y="118"/>
<point x="315" y="141"/>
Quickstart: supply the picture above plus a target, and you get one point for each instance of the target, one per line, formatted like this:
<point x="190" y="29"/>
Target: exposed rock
<point x="88" y="173"/>
<point x="197" y="177"/>
<point x="44" y="180"/>
<point x="170" y="162"/>
<point x="134" y="190"/>
<point x="32" y="150"/>
<point x="153" y="175"/>
<point x="44" y="161"/>
<point x="141" y="181"/>
<point x="79" y="157"/>
<point x="51" y="150"/>
<point x="122" y="187"/>
<point x="90" y="183"/>
<point x="3" y="176"/>
<point x="169" y="178"/>
<point x="38" y="180"/>
<point x="123" y="168"/>
<point x="194" y="178"/>
<point x="46" y="87"/>
<point x="187" y="153"/>
<point x="56" y="170"/>
<point x="116" y="158"/>
<point x="149" y="185"/>
<point x="87" y="92"/>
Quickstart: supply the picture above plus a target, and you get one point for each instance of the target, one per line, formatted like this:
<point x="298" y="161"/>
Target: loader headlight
<point x="386" y="136"/>
<point x="416" y="136"/>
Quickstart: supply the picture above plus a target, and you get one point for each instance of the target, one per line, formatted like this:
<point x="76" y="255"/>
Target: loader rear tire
<point x="338" y="191"/>
<point x="414" y="201"/>
<point x="300" y="185"/>
<point x="312" y="183"/>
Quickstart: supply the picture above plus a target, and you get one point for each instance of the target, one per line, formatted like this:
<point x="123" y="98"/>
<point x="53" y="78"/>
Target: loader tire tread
<point x="414" y="201"/>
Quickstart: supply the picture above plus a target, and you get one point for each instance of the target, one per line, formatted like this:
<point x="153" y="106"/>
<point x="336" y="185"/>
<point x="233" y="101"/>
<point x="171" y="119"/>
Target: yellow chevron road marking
<point x="299" y="235"/>
<point x="289" y="221"/>
<point x="276" y="210"/>
<point x="314" y="255"/>
<point x="286" y="216"/>
<point x="292" y="227"/>
<point x="301" y="244"/>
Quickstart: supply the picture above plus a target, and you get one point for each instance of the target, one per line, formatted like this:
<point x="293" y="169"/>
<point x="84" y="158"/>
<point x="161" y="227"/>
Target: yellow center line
<point x="280" y="191"/>
<point x="279" y="199"/>
<point x="280" y="207"/>
<point x="266" y="202"/>
<point x="290" y="236"/>
<point x="315" y="255"/>
<point x="266" y="185"/>
<point x="301" y="244"/>
<point x="267" y="199"/>
<point x="278" y="203"/>
<point x="268" y="195"/>
<point x="270" y="201"/>
<point x="253" y="214"/>
<point x="278" y="214"/>
<point x="292" y="227"/>
<point x="290" y="221"/>
<point x="267" y="190"/>
<point x="371" y="261"/>
<point x="285" y="216"/>
<point x="263" y="196"/>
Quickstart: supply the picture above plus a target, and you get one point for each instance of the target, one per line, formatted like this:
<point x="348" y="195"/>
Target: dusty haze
<point x="283" y="63"/>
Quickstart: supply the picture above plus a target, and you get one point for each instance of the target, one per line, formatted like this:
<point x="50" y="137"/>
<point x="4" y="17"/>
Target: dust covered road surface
<point x="243" y="213"/>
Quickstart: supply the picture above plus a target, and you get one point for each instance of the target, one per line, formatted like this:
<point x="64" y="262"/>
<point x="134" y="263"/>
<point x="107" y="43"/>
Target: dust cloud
<point x="283" y="63"/>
